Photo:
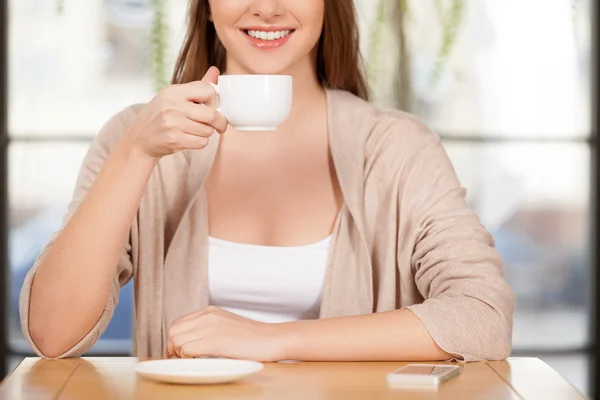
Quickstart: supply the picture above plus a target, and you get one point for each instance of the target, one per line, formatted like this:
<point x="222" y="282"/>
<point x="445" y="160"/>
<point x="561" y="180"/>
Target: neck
<point x="308" y="92"/>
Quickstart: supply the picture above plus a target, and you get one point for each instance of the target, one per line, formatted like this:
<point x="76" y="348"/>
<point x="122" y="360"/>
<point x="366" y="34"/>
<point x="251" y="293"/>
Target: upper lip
<point x="267" y="28"/>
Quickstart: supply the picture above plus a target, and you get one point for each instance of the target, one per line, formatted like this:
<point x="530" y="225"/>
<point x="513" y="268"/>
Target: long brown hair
<point x="339" y="64"/>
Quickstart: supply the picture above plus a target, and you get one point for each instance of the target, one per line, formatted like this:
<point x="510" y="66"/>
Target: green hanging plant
<point x="450" y="19"/>
<point x="60" y="6"/>
<point x="158" y="36"/>
<point x="158" y="41"/>
<point x="373" y="58"/>
<point x="395" y="14"/>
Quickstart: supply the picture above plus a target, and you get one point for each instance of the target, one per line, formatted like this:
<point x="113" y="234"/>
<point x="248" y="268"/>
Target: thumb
<point x="212" y="75"/>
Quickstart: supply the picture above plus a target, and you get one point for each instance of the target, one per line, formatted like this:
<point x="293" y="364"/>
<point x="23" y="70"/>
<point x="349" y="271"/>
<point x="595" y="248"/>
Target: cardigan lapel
<point x="185" y="271"/>
<point x="348" y="288"/>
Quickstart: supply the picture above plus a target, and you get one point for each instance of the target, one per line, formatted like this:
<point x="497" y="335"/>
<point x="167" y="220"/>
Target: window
<point x="513" y="107"/>
<point x="512" y="104"/>
<point x="69" y="74"/>
<point x="534" y="198"/>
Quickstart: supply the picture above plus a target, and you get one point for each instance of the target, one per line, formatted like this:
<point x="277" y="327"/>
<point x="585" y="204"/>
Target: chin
<point x="268" y="70"/>
<point x="266" y="65"/>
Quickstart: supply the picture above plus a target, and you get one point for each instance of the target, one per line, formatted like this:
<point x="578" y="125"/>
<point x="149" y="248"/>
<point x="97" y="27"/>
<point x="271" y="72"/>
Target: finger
<point x="191" y="142"/>
<point x="205" y="347"/>
<point x="197" y="314"/>
<point x="182" y="123"/>
<point x="202" y="91"/>
<point x="196" y="128"/>
<point x="212" y="75"/>
<point x="184" y="338"/>
<point x="175" y="331"/>
<point x="206" y="115"/>
<point x="198" y="92"/>
<point x="183" y="326"/>
<point x="169" y="347"/>
<point x="185" y="317"/>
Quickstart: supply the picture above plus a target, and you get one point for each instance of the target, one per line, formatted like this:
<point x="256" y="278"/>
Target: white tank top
<point x="267" y="284"/>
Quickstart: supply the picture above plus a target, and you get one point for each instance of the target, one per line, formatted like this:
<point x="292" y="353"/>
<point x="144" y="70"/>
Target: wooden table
<point x="115" y="379"/>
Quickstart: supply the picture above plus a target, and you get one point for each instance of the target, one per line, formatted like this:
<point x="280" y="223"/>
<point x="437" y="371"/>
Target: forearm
<point x="389" y="336"/>
<point x="73" y="281"/>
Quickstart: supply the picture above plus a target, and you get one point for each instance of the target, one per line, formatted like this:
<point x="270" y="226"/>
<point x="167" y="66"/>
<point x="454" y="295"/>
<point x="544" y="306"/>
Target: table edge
<point x="12" y="371"/>
<point x="489" y="364"/>
<point x="509" y="384"/>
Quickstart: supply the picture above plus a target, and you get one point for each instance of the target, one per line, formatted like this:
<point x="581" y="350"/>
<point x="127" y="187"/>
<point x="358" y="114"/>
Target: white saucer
<point x="197" y="370"/>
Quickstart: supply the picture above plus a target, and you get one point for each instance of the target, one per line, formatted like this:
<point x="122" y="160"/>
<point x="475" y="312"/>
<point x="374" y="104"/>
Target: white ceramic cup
<point x="254" y="102"/>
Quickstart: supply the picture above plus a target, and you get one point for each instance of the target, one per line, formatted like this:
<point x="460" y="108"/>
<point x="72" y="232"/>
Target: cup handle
<point x="218" y="97"/>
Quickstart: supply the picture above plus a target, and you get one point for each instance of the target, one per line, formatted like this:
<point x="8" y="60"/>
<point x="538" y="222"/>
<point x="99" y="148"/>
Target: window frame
<point x="591" y="351"/>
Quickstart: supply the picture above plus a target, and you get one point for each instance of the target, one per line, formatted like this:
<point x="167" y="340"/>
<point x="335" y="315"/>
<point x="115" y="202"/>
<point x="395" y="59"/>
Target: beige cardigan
<point x="404" y="237"/>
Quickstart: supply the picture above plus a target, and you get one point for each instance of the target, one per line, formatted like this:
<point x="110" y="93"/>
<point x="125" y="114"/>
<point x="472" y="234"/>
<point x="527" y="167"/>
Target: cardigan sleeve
<point x="93" y="162"/>
<point x="468" y="307"/>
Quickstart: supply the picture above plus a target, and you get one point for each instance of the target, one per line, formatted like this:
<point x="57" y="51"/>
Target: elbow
<point x="493" y="341"/>
<point x="489" y="330"/>
<point x="45" y="342"/>
<point x="504" y="326"/>
<point x="50" y="351"/>
<point x="504" y="331"/>
<point x="47" y="338"/>
<point x="498" y="347"/>
<point x="49" y="334"/>
<point x="491" y="344"/>
<point x="473" y="331"/>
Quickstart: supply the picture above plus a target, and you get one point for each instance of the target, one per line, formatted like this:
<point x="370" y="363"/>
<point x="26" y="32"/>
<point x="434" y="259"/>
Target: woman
<point x="342" y="236"/>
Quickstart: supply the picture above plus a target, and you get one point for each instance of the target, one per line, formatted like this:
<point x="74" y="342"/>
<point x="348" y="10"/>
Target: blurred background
<point x="507" y="84"/>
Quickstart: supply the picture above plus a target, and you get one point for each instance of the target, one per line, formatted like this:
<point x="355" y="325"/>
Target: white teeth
<point x="271" y="35"/>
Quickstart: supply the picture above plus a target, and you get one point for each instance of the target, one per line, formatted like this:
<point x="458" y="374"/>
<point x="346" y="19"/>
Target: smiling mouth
<point x="268" y="36"/>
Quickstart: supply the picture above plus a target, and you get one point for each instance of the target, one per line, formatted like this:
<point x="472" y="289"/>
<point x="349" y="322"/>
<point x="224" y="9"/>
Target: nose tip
<point x="267" y="9"/>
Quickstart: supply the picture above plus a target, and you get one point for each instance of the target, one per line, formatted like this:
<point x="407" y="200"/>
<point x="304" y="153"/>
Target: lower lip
<point x="268" y="44"/>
